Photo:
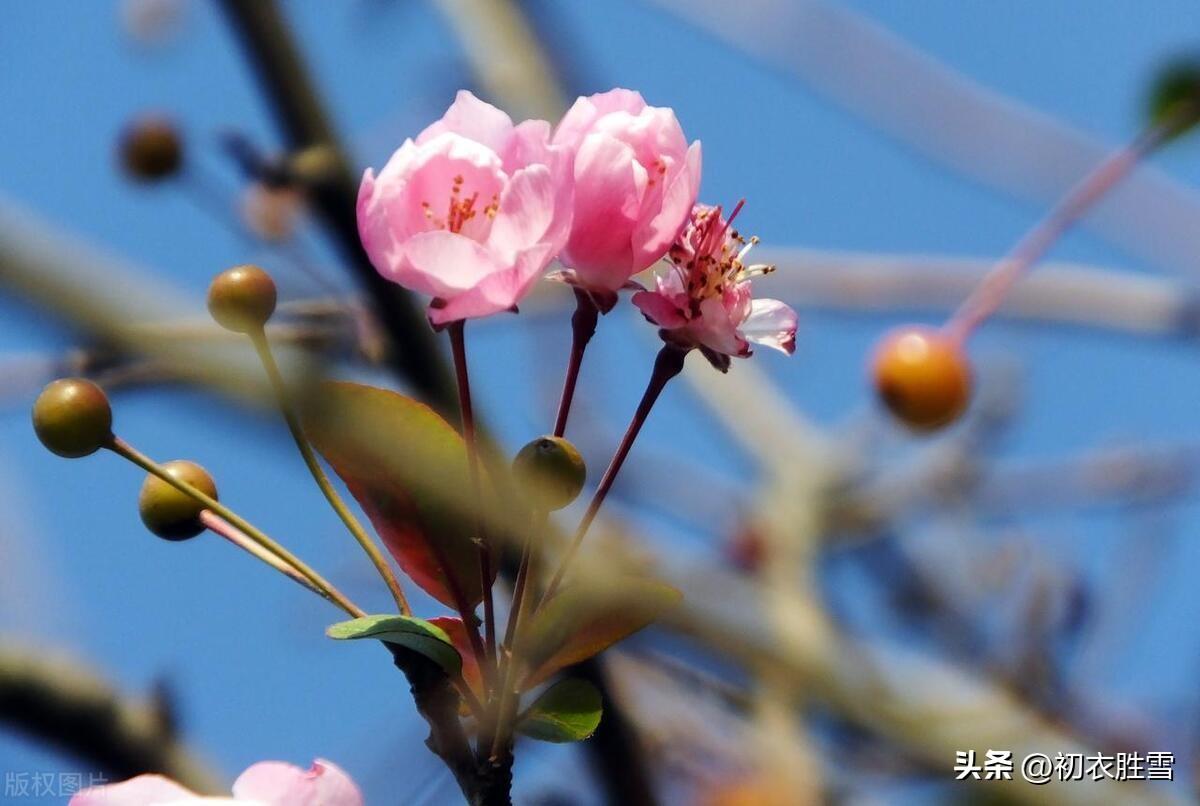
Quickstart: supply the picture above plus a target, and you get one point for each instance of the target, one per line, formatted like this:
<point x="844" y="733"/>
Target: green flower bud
<point x="242" y="299"/>
<point x="72" y="417"/>
<point x="550" y="471"/>
<point x="151" y="149"/>
<point x="1175" y="96"/>
<point x="166" y="511"/>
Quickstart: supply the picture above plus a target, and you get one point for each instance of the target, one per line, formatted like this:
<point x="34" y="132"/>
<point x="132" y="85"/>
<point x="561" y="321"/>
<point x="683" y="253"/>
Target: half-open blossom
<point x="470" y="212"/>
<point x="268" y="783"/>
<point x="704" y="300"/>
<point x="636" y="179"/>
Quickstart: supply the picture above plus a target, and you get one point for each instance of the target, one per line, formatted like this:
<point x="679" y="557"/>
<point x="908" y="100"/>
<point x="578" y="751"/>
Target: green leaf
<point x="584" y="620"/>
<point x="406" y="631"/>
<point x="568" y="711"/>
<point x="407" y="468"/>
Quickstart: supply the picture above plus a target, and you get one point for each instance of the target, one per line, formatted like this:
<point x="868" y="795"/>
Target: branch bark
<point x="62" y="703"/>
<point x="302" y="120"/>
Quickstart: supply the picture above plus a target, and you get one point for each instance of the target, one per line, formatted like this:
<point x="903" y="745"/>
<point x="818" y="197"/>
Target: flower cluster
<point x="475" y="209"/>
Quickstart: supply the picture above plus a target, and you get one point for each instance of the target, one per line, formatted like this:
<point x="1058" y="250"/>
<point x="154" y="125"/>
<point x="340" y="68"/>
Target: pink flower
<point x="636" y="179"/>
<point x="704" y="300"/>
<point x="268" y="783"/>
<point x="471" y="212"/>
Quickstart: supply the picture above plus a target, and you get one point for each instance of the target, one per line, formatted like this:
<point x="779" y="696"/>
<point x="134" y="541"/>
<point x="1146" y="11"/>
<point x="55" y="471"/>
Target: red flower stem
<point x="459" y="349"/>
<point x="219" y="526"/>
<point x="667" y="365"/>
<point x="583" y="327"/>
<point x="990" y="293"/>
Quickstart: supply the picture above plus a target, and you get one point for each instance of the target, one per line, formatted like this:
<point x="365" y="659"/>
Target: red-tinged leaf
<point x="584" y="620"/>
<point x="456" y="631"/>
<point x="407" y="468"/>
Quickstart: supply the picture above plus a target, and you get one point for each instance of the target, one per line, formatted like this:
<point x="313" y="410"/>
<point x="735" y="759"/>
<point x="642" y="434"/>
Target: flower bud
<point x="922" y="376"/>
<point x="550" y="471"/>
<point x="72" y="417"/>
<point x="1175" y="96"/>
<point x="242" y="299"/>
<point x="151" y="149"/>
<point x="166" y="511"/>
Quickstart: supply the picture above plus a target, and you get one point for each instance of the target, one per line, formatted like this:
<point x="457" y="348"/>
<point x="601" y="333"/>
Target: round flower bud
<point x="922" y="376"/>
<point x="151" y="149"/>
<point x="169" y="513"/>
<point x="72" y="417"/>
<point x="242" y="299"/>
<point x="550" y="471"/>
<point x="1175" y="96"/>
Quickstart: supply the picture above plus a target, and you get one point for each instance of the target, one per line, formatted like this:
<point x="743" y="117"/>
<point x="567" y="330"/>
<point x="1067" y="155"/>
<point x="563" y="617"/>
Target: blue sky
<point x="245" y="651"/>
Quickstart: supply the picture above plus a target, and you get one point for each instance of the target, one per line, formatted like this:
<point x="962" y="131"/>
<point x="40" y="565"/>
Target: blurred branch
<point x="60" y="702"/>
<point x="305" y="125"/>
<point x="507" y="56"/>
<point x="950" y="119"/>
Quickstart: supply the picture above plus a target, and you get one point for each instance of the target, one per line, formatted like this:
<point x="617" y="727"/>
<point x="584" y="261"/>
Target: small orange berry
<point x="922" y="376"/>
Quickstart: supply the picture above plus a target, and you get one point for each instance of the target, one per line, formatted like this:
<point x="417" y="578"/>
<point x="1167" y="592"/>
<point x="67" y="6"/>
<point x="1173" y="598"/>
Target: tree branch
<point x="62" y="703"/>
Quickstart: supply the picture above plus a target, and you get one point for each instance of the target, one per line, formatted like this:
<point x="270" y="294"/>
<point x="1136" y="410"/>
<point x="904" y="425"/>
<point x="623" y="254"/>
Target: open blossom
<point x="268" y="783"/>
<point x="636" y="179"/>
<point x="470" y="212"/>
<point x="704" y="300"/>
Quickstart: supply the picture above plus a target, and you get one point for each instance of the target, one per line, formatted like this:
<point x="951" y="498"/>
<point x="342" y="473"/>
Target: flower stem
<point x="667" y="365"/>
<point x="219" y="526"/>
<point x="508" y="699"/>
<point x="583" y="327"/>
<point x="459" y="350"/>
<point x="323" y="587"/>
<point x="263" y="347"/>
<point x="990" y="293"/>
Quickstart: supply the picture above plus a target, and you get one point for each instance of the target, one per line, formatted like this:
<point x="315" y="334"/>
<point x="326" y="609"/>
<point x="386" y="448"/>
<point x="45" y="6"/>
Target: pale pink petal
<point x="661" y="225"/>
<point x="527" y="213"/>
<point x="578" y="120"/>
<point x="607" y="196"/>
<point x="441" y="263"/>
<point x="474" y="119"/>
<point x="497" y="292"/>
<point x="529" y="144"/>
<point x="278" y="784"/>
<point x="423" y="200"/>
<point x="772" y="324"/>
<point x="659" y="310"/>
<point x="715" y="330"/>
<point x="144" y="790"/>
<point x="653" y="133"/>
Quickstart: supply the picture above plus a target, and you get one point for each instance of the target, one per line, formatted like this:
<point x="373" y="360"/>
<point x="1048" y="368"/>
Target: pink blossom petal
<point x="278" y="784"/>
<point x="441" y="263"/>
<point x="474" y="119"/>
<point x="771" y="323"/>
<point x="448" y="162"/>
<point x="659" y="310"/>
<point x="527" y="213"/>
<point x="530" y="145"/>
<point x="144" y="790"/>
<point x="653" y="133"/>
<point x="578" y="120"/>
<point x="607" y="196"/>
<point x="714" y="329"/>
<point x="497" y="292"/>
<point x="655" y="234"/>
